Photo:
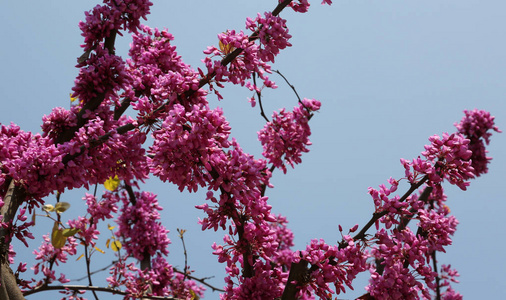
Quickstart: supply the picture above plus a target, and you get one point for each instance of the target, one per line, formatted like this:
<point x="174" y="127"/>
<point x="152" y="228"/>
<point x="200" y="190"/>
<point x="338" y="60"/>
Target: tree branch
<point x="91" y="288"/>
<point x="377" y="215"/>
<point x="297" y="275"/>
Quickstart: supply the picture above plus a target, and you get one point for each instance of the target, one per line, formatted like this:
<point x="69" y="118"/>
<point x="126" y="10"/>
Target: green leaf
<point x="70" y="231"/>
<point x="48" y="207"/>
<point x="61" y="207"/>
<point x="57" y="238"/>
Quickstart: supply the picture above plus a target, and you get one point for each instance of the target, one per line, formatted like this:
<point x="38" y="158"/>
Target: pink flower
<point x="140" y="227"/>
<point x="286" y="137"/>
<point x="273" y="34"/>
<point x="188" y="144"/>
<point x="475" y="126"/>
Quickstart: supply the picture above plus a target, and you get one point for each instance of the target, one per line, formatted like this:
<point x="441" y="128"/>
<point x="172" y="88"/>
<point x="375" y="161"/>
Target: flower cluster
<point x="104" y="20"/>
<point x="437" y="228"/>
<point x="94" y="161"/>
<point x="131" y="12"/>
<point x="475" y="126"/>
<point x="448" y="275"/>
<point x="189" y="145"/>
<point x="286" y="137"/>
<point x="49" y="255"/>
<point x="273" y="35"/>
<point x="450" y="157"/>
<point x="401" y="256"/>
<point x="396" y="252"/>
<point x="140" y="227"/>
<point x="447" y="157"/>
<point x="104" y="74"/>
<point x="240" y="69"/>
<point x="54" y="124"/>
<point x="101" y="210"/>
<point x="30" y="160"/>
<point x="166" y="281"/>
<point x="331" y="264"/>
<point x="240" y="178"/>
<point x="160" y="280"/>
<point x="160" y="75"/>
<point x="300" y="6"/>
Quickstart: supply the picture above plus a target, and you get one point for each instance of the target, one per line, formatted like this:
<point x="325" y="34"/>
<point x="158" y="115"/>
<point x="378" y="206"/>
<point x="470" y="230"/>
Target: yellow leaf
<point x="61" y="207"/>
<point x="72" y="99"/>
<point x="112" y="183"/>
<point x="194" y="295"/>
<point x="110" y="227"/>
<point x="115" y="245"/>
<point x="48" y="207"/>
<point x="99" y="250"/>
<point x="80" y="256"/>
<point x="57" y="238"/>
<point x="107" y="243"/>
<point x="226" y="48"/>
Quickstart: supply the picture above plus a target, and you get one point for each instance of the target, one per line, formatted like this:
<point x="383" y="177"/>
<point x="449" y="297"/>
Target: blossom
<point x="331" y="264"/>
<point x="241" y="67"/>
<point x="101" y="210"/>
<point x="272" y="32"/>
<point x="103" y="20"/>
<point x="47" y="255"/>
<point x="140" y="227"/>
<point x="103" y="75"/>
<point x="475" y="126"/>
<point x="286" y="137"/>
<point x="188" y="146"/>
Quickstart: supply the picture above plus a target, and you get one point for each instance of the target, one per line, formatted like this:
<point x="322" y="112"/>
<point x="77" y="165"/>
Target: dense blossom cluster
<point x="104" y="74"/>
<point x="475" y="126"/>
<point x="160" y="280"/>
<point x="140" y="227"/>
<point x="243" y="66"/>
<point x="104" y="20"/>
<point x="189" y="146"/>
<point x="286" y="137"/>
<point x="27" y="158"/>
<point x="447" y="157"/>
<point x="160" y="76"/>
<point x="273" y="34"/>
<point x="331" y="264"/>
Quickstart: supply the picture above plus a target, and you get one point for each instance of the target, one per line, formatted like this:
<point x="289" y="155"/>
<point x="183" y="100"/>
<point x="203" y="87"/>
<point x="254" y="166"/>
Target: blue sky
<point x="389" y="74"/>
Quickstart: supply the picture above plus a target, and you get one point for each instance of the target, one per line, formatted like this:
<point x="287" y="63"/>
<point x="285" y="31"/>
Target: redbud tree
<point x="149" y="116"/>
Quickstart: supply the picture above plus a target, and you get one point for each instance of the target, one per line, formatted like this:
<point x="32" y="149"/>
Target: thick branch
<point x="8" y="287"/>
<point x="298" y="273"/>
<point x="93" y="104"/>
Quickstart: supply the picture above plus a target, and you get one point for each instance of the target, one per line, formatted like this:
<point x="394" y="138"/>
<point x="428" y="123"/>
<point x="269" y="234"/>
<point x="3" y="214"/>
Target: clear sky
<point x="389" y="73"/>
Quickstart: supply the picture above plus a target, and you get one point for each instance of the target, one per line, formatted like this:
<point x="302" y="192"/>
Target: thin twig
<point x="87" y="258"/>
<point x="95" y="272"/>
<point x="438" y="287"/>
<point x="289" y="84"/>
<point x="201" y="280"/>
<point x="90" y="288"/>
<point x="377" y="215"/>
<point x="259" y="95"/>
<point x="181" y="232"/>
